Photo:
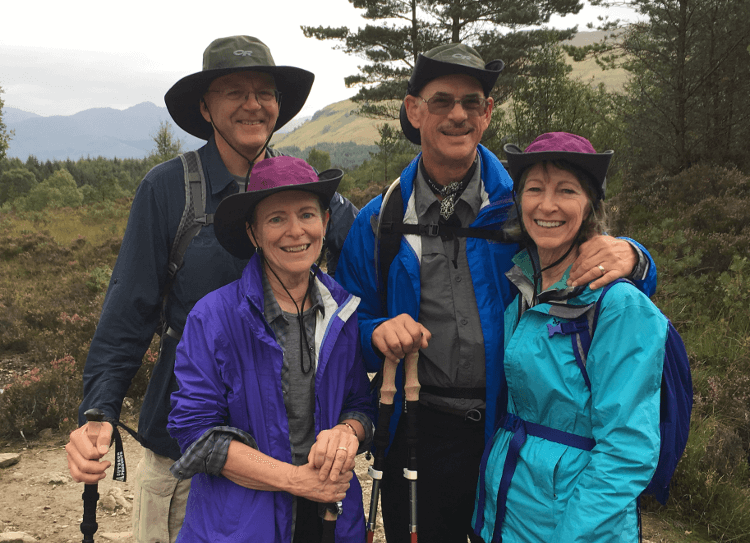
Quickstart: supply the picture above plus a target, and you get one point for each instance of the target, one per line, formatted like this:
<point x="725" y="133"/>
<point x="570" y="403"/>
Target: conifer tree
<point x="405" y="28"/>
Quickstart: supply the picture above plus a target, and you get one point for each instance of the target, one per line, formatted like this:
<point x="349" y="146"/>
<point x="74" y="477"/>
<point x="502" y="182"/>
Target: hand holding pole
<point x="91" y="491"/>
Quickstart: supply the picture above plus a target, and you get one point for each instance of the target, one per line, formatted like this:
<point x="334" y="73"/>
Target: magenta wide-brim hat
<point x="552" y="146"/>
<point x="270" y="176"/>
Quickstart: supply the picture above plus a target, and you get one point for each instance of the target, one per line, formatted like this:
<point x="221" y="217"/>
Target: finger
<point x="330" y="458"/>
<point x="604" y="280"/>
<point x="317" y="456"/>
<point x="104" y="437"/>
<point x="338" y="463"/>
<point x="592" y="275"/>
<point x="82" y="469"/>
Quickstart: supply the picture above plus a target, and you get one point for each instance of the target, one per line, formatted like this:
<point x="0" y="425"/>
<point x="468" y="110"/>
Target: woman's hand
<point x="333" y="453"/>
<point x="308" y="484"/>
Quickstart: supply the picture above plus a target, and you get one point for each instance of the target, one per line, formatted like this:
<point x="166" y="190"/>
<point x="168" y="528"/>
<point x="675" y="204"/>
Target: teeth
<point x="297" y="249"/>
<point x="549" y="224"/>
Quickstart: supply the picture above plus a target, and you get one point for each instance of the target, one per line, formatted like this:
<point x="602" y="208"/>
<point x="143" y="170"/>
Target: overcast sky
<point x="59" y="58"/>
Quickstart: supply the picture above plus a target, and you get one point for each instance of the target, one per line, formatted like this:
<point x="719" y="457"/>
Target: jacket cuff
<point x="209" y="453"/>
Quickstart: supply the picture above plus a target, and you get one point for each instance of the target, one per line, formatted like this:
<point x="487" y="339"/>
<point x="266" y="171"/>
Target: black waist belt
<point x="455" y="392"/>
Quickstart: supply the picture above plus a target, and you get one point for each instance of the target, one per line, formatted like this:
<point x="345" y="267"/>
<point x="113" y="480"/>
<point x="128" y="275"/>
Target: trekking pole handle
<point x="411" y="382"/>
<point x="388" y="388"/>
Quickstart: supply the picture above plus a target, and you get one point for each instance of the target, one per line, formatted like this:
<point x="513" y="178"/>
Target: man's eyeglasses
<point x="441" y="104"/>
<point x="265" y="96"/>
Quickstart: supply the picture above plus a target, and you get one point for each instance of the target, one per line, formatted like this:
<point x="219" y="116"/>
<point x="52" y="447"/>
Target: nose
<point x="251" y="101"/>
<point x="458" y="113"/>
<point x="549" y="201"/>
<point x="295" y="227"/>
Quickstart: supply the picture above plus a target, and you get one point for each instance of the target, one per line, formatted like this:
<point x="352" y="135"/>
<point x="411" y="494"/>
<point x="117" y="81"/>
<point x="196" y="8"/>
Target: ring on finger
<point x="601" y="269"/>
<point x="342" y="449"/>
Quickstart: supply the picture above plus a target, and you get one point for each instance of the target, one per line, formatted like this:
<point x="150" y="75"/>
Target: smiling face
<point x="448" y="140"/>
<point x="245" y="124"/>
<point x="553" y="207"/>
<point x="289" y="227"/>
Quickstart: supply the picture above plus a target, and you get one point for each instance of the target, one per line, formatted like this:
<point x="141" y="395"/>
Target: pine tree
<point x="496" y="28"/>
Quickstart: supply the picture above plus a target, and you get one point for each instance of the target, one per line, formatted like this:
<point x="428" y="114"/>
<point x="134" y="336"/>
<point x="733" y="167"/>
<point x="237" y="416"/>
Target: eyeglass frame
<point x="470" y="112"/>
<point x="246" y="95"/>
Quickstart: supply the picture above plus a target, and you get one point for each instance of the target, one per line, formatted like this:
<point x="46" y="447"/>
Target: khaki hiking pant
<point x="160" y="500"/>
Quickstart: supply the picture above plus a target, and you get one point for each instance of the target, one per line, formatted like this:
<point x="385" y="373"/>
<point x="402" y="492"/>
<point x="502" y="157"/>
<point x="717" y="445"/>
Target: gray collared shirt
<point x="448" y="307"/>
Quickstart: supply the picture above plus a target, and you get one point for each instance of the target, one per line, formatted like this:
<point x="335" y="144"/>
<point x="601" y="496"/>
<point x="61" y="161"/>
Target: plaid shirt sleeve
<point x="209" y="453"/>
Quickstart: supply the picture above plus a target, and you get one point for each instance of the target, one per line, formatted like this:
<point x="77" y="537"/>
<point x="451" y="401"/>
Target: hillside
<point x="337" y="123"/>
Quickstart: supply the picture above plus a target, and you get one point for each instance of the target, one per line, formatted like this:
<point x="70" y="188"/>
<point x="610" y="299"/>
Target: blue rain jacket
<point x="228" y="367"/>
<point x="564" y="494"/>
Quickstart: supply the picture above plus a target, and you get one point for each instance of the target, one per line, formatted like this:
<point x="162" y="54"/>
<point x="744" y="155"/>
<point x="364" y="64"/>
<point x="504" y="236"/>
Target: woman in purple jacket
<point x="273" y="402"/>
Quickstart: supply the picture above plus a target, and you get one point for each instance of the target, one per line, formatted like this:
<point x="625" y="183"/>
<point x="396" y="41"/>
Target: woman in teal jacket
<point x="580" y="482"/>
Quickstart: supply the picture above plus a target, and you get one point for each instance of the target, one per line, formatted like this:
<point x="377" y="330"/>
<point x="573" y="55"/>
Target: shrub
<point x="696" y="225"/>
<point x="40" y="399"/>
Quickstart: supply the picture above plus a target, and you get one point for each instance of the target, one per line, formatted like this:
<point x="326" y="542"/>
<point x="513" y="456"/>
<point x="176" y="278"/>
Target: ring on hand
<point x="342" y="449"/>
<point x="601" y="269"/>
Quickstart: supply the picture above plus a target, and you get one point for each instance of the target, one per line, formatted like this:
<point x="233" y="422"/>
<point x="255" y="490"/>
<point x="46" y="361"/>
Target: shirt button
<point x="458" y="279"/>
<point x="464" y="322"/>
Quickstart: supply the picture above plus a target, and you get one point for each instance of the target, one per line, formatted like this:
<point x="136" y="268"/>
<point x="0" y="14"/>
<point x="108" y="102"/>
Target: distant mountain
<point x="94" y="132"/>
<point x="13" y="115"/>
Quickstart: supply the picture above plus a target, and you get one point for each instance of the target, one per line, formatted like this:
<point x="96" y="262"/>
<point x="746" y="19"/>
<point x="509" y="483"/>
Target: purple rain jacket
<point x="228" y="367"/>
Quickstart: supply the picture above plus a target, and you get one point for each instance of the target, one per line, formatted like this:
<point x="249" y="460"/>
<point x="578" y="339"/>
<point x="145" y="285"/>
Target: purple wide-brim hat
<point x="269" y="176"/>
<point x="571" y="148"/>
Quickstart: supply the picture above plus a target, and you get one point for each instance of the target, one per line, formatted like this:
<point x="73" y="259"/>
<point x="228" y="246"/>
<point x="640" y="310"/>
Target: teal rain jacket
<point x="559" y="493"/>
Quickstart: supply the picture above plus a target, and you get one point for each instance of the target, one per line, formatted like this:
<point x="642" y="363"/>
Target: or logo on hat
<point x="463" y="57"/>
<point x="241" y="53"/>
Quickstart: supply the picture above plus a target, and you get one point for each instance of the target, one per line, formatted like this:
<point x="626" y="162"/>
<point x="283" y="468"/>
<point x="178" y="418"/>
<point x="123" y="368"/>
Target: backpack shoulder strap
<point x="193" y="218"/>
<point x="388" y="241"/>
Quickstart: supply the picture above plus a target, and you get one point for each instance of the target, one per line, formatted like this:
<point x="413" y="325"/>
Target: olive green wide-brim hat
<point x="448" y="59"/>
<point x="229" y="55"/>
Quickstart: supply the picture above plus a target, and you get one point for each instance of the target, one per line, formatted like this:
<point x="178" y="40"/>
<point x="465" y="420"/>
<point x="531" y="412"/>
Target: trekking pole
<point x="411" y="392"/>
<point x="332" y="512"/>
<point x="381" y="438"/>
<point x="90" y="491"/>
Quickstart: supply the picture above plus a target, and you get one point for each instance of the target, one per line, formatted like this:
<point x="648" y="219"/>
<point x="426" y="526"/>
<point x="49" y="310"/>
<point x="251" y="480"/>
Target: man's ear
<point x="411" y="103"/>
<point x="488" y="114"/>
<point x="204" y="111"/>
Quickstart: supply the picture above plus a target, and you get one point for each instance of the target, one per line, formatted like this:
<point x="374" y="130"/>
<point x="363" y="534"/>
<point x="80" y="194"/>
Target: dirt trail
<point x="38" y="496"/>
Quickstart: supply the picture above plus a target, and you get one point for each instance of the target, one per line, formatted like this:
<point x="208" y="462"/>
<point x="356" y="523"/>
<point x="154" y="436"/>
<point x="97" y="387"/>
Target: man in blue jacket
<point x="236" y="102"/>
<point x="446" y="294"/>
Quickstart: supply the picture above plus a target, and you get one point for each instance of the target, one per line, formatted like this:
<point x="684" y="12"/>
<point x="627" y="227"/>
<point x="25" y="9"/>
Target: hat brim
<point x="432" y="69"/>
<point x="596" y="164"/>
<point x="232" y="212"/>
<point x="183" y="99"/>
